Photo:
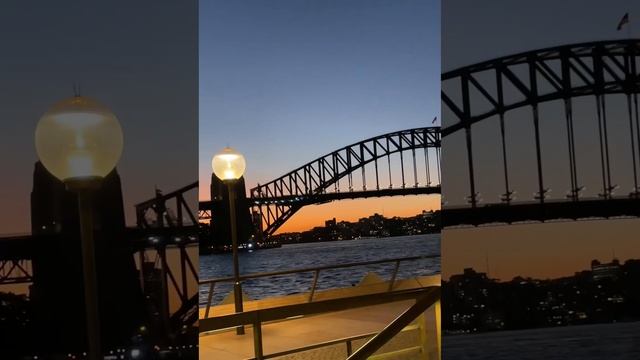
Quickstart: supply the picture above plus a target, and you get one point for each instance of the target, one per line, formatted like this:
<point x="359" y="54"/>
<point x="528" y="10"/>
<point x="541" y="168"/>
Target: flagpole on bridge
<point x="624" y="20"/>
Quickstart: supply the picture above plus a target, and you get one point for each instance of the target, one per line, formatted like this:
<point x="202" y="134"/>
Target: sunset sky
<point x="540" y="251"/>
<point x="286" y="82"/>
<point x="351" y="210"/>
<point x="537" y="250"/>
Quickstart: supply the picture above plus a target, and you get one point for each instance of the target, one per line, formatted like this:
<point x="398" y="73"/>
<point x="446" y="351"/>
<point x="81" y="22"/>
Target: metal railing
<point x="391" y="330"/>
<point x="315" y="270"/>
<point x="425" y="297"/>
<point x="348" y="341"/>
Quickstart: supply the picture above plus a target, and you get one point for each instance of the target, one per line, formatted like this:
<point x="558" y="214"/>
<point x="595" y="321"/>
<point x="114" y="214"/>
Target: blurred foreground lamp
<point x="79" y="141"/>
<point x="229" y="166"/>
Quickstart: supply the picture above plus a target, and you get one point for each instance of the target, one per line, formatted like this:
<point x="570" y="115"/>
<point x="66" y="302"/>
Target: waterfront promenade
<point x="327" y="328"/>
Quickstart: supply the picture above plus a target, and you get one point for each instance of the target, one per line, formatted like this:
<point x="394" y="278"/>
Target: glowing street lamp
<point x="79" y="141"/>
<point x="229" y="166"/>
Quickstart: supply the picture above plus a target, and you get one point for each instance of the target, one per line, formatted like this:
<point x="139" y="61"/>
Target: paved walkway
<point x="296" y="333"/>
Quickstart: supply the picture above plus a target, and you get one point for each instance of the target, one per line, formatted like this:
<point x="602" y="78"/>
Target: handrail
<point x="257" y="317"/>
<point x="391" y="330"/>
<point x="302" y="309"/>
<point x="347" y="340"/>
<point x="315" y="270"/>
<point x="325" y="267"/>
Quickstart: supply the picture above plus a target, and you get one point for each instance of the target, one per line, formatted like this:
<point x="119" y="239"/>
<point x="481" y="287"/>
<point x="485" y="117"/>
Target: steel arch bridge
<point x="361" y="170"/>
<point x="491" y="89"/>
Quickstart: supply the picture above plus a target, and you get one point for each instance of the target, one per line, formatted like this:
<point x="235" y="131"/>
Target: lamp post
<point x="79" y="141"/>
<point x="229" y="166"/>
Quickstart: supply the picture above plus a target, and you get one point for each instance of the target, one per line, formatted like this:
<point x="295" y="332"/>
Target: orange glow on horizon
<point x="351" y="210"/>
<point x="540" y="251"/>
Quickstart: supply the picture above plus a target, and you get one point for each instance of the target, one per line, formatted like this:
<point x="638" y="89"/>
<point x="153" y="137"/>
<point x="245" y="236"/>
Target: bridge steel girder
<point x="169" y="231"/>
<point x="17" y="247"/>
<point x="594" y="68"/>
<point x="328" y="197"/>
<point x="535" y="212"/>
<point x="478" y="92"/>
<point x="157" y="206"/>
<point x="276" y="203"/>
<point x="15" y="272"/>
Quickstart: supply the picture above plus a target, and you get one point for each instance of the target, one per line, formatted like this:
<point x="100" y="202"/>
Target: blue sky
<point x="287" y="81"/>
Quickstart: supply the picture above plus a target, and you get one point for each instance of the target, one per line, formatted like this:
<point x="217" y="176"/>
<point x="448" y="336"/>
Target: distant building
<point x="605" y="271"/>
<point x="472" y="302"/>
<point x="256" y="218"/>
<point x="470" y="282"/>
<point x="374" y="226"/>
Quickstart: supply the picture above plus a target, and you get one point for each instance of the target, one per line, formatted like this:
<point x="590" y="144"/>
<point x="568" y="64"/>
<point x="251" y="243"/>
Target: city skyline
<point x="286" y="83"/>
<point x="503" y="248"/>
<point x="350" y="217"/>
<point x="350" y="210"/>
<point x="586" y="267"/>
<point x="600" y="292"/>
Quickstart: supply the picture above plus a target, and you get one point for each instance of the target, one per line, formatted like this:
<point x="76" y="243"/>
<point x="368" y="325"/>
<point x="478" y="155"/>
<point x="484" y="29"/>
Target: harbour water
<point x="296" y="256"/>
<point x="618" y="341"/>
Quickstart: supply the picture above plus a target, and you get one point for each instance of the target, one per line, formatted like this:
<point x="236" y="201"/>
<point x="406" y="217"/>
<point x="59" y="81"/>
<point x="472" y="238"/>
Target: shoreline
<point x="540" y="329"/>
<point x="242" y="250"/>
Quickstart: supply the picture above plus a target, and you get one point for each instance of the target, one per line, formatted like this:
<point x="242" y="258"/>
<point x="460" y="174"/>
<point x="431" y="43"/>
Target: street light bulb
<point x="228" y="165"/>
<point x="79" y="138"/>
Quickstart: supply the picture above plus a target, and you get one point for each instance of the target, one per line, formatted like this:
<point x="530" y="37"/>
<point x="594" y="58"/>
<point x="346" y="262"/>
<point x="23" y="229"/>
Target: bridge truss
<point x="15" y="271"/>
<point x="168" y="225"/>
<point x="491" y="89"/>
<point x="367" y="169"/>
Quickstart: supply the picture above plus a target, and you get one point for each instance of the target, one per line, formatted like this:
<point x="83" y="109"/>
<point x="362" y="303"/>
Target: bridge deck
<point x="550" y="210"/>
